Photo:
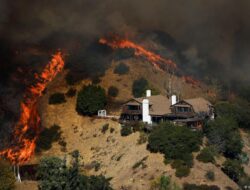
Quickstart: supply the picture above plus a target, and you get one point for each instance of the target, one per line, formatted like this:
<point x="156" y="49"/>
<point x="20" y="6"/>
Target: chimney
<point x="145" y="112"/>
<point x="148" y="93"/>
<point x="173" y="99"/>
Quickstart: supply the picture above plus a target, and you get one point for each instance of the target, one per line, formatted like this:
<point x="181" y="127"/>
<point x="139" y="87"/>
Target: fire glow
<point x="26" y="130"/>
<point x="117" y="42"/>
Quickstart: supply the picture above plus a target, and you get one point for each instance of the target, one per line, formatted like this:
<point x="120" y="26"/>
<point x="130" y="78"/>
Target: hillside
<point x="110" y="151"/>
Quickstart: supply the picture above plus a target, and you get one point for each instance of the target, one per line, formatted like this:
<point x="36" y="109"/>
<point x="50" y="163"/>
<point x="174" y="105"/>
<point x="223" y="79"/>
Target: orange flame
<point x="191" y="80"/>
<point x="155" y="59"/>
<point x="26" y="130"/>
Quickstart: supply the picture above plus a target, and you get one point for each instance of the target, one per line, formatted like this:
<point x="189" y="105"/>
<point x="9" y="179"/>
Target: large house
<point x="154" y="109"/>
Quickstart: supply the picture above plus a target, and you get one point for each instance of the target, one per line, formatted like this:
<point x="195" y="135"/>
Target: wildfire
<point x="116" y="42"/>
<point x="158" y="61"/>
<point x="26" y="130"/>
<point x="191" y="80"/>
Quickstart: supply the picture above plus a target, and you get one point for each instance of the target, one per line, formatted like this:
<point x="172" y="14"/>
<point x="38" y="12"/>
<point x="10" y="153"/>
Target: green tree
<point x="52" y="174"/>
<point x="224" y="135"/>
<point x="233" y="169"/>
<point x="176" y="142"/>
<point x="7" y="178"/>
<point x="90" y="99"/>
<point x="139" y="87"/>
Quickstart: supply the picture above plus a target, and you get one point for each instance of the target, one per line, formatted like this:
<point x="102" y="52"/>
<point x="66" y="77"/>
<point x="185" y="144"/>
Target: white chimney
<point x="148" y="93"/>
<point x="145" y="112"/>
<point x="173" y="99"/>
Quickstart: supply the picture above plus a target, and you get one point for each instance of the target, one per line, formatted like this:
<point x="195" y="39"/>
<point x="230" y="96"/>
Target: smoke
<point x="215" y="33"/>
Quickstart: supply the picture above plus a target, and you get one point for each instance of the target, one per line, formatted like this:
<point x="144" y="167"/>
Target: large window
<point x="183" y="109"/>
<point x="133" y="107"/>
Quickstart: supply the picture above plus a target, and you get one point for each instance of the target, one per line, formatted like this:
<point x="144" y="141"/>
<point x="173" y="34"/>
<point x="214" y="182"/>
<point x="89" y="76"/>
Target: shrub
<point x="47" y="137"/>
<point x="112" y="130"/>
<point x="188" y="186"/>
<point x="210" y="175"/>
<point x="90" y="99"/>
<point x="182" y="168"/>
<point x="233" y="169"/>
<point x="139" y="87"/>
<point x="53" y="173"/>
<point x="126" y="130"/>
<point x="175" y="142"/>
<point x="140" y="163"/>
<point x="113" y="91"/>
<point x="142" y="138"/>
<point x="105" y="128"/>
<point x="121" y="69"/>
<point x="7" y="179"/>
<point x="224" y="135"/>
<point x="57" y="98"/>
<point x="182" y="171"/>
<point x="206" y="155"/>
<point x="71" y="92"/>
<point x="164" y="183"/>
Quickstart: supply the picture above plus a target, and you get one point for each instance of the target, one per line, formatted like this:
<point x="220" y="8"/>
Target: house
<point x="154" y="109"/>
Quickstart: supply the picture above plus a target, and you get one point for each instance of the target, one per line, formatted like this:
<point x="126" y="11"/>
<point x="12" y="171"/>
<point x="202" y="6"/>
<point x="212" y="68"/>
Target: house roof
<point x="160" y="105"/>
<point x="199" y="104"/>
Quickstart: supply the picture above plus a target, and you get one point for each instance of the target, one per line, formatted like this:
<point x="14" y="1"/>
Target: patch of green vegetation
<point x="210" y="175"/>
<point x="206" y="155"/>
<point x="126" y="130"/>
<point x="233" y="169"/>
<point x="223" y="134"/>
<point x="53" y="173"/>
<point x="57" y="98"/>
<point x="90" y="99"/>
<point x="164" y="183"/>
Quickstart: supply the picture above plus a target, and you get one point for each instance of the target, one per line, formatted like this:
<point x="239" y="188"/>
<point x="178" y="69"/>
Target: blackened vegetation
<point x="57" y="98"/>
<point x="47" y="137"/>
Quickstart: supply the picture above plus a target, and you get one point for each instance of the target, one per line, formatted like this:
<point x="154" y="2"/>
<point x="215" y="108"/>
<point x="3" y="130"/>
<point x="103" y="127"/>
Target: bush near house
<point x="126" y="130"/>
<point x="206" y="155"/>
<point x="140" y="86"/>
<point x="223" y="134"/>
<point x="233" y="169"/>
<point x="121" y="69"/>
<point x="90" y="99"/>
<point x="113" y="91"/>
<point x="57" y="98"/>
<point x="176" y="143"/>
